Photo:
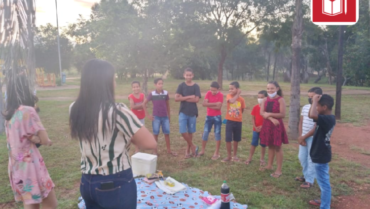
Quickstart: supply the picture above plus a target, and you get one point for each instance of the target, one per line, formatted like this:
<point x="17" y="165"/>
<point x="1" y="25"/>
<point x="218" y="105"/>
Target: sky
<point x="68" y="10"/>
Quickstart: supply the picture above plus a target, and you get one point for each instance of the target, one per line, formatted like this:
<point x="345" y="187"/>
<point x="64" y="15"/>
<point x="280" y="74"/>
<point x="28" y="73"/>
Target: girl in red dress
<point x="273" y="132"/>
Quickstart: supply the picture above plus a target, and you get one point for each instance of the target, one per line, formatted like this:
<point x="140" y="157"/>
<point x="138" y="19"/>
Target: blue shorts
<point x="210" y="121"/>
<point x="255" y="139"/>
<point x="187" y="123"/>
<point x="161" y="121"/>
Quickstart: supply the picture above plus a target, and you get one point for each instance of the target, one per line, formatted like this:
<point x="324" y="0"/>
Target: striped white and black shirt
<point x="308" y="124"/>
<point x="109" y="153"/>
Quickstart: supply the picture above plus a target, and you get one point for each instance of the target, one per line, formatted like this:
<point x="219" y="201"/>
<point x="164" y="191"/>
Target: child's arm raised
<point x="313" y="114"/>
<point x="233" y="100"/>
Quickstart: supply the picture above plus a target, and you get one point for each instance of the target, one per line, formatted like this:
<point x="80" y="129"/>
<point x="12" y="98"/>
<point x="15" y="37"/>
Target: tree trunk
<point x="294" y="110"/>
<point x="328" y="65"/>
<point x="273" y="71"/>
<point x="30" y="44"/>
<point x="145" y="82"/>
<point x="268" y="68"/>
<point x="321" y="73"/>
<point x="339" y="75"/>
<point x="221" y="62"/>
<point x="2" y="119"/>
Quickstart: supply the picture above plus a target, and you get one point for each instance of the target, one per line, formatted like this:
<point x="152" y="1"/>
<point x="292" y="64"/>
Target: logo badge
<point x="334" y="12"/>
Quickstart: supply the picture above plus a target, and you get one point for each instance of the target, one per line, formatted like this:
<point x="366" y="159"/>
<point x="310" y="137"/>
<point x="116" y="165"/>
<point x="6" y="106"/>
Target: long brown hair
<point x="96" y="94"/>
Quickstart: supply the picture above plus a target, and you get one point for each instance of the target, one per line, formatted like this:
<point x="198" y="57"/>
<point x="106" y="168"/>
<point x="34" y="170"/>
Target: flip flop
<point x="264" y="169"/>
<point x="226" y="160"/>
<point x="196" y="151"/>
<point x="300" y="179"/>
<point x="315" y="202"/>
<point x="248" y="162"/>
<point x="235" y="159"/>
<point x="188" y="156"/>
<point x="275" y="175"/>
<point x="262" y="163"/>
<point x="215" y="157"/>
<point x="306" y="185"/>
<point x="172" y="153"/>
<point x="200" y="155"/>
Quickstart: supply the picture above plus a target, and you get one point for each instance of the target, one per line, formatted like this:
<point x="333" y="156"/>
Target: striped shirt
<point x="109" y="153"/>
<point x="159" y="103"/>
<point x="308" y="124"/>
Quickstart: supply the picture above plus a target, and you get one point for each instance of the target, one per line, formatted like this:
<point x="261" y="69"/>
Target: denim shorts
<point x="161" y="121"/>
<point x="122" y="195"/>
<point x="233" y="131"/>
<point x="210" y="121"/>
<point x="255" y="139"/>
<point x="187" y="123"/>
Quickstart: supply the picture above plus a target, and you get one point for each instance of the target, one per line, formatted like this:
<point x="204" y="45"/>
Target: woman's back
<point x="108" y="153"/>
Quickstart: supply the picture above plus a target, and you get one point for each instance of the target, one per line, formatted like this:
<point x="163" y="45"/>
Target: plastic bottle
<point x="225" y="196"/>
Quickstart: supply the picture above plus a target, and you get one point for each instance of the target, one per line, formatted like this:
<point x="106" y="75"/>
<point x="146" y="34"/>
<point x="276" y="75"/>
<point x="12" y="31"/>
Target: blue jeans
<point x="255" y="139"/>
<point x="308" y="167"/>
<point x="187" y="123"/>
<point x="161" y="121"/>
<point x="122" y="195"/>
<point x="210" y="121"/>
<point x="323" y="179"/>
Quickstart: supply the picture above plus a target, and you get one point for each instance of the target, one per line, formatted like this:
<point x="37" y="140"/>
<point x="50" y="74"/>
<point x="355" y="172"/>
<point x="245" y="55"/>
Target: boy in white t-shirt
<point x="306" y="131"/>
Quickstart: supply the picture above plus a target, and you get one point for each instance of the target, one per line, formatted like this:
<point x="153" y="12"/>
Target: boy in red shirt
<point x="137" y="104"/>
<point x="213" y="101"/>
<point x="257" y="121"/>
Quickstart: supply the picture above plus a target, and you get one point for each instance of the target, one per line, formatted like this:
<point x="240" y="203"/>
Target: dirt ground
<point x="352" y="143"/>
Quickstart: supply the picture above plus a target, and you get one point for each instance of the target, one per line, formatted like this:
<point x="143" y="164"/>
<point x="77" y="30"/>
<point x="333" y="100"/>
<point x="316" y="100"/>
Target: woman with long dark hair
<point x="29" y="178"/>
<point x="105" y="130"/>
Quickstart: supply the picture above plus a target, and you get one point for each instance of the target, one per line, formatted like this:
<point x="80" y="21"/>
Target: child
<point x="320" y="151"/>
<point x="161" y="113"/>
<point x="257" y="121"/>
<point x="137" y="101"/>
<point x="234" y="117"/>
<point x="213" y="101"/>
<point x="273" y="132"/>
<point x="188" y="93"/>
<point x="137" y="104"/>
<point x="306" y="131"/>
<point x="29" y="177"/>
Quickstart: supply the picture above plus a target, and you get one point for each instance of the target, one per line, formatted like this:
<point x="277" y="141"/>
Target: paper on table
<point x="170" y="190"/>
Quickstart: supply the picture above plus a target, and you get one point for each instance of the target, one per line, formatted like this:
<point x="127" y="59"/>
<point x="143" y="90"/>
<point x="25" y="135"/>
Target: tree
<point x="17" y="18"/>
<point x="338" y="102"/>
<point x="294" y="110"/>
<point x="46" y="50"/>
<point x="232" y="17"/>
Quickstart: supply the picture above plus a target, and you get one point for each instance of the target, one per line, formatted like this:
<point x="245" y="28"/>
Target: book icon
<point x="334" y="7"/>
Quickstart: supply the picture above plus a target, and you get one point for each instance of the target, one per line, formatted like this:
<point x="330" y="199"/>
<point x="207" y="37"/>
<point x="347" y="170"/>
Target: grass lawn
<point x="249" y="186"/>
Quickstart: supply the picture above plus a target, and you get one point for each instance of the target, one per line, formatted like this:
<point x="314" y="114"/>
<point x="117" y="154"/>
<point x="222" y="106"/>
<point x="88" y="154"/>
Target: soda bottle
<point x="225" y="196"/>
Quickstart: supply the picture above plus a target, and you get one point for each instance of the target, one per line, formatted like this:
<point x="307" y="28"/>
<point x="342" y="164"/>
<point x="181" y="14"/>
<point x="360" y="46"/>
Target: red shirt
<point x="258" y="119"/>
<point x="138" y="112"/>
<point x="219" y="97"/>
